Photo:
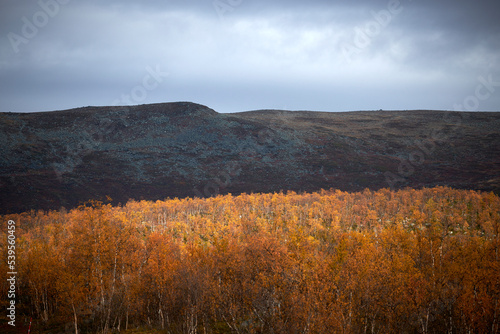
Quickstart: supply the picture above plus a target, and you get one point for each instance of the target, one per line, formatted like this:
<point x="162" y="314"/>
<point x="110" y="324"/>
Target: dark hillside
<point x="63" y="158"/>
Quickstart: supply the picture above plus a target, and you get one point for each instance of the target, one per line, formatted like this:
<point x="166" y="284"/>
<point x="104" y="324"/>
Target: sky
<point x="239" y="55"/>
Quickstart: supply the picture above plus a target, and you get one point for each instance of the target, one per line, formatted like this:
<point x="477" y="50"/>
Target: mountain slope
<point x="63" y="158"/>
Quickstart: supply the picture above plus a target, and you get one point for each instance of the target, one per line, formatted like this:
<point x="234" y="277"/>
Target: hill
<point x="63" y="158"/>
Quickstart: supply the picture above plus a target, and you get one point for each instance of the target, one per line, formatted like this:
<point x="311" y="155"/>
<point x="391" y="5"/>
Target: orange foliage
<point x="419" y="261"/>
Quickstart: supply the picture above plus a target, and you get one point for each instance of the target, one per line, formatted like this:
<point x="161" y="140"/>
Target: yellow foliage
<point x="383" y="261"/>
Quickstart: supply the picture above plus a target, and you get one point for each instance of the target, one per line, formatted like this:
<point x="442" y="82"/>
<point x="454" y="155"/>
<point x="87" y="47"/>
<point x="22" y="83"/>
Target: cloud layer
<point x="236" y="55"/>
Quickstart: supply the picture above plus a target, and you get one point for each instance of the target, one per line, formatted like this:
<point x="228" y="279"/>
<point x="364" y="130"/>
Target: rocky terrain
<point x="64" y="158"/>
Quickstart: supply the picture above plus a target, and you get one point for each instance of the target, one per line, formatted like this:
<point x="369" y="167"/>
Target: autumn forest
<point x="407" y="261"/>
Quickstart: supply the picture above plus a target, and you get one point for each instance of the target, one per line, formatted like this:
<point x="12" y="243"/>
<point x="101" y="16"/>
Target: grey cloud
<point x="256" y="54"/>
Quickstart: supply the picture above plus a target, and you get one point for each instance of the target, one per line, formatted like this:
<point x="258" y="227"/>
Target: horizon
<point x="244" y="111"/>
<point x="253" y="110"/>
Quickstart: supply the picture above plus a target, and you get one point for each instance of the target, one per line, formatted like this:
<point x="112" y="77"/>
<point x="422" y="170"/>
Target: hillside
<point x="63" y="158"/>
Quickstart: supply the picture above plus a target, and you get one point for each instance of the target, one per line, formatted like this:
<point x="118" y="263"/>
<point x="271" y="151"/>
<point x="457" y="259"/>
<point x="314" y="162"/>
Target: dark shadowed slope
<point x="63" y="158"/>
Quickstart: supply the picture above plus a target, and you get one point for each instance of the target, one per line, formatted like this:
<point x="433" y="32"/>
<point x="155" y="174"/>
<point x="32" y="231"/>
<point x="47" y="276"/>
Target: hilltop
<point x="183" y="149"/>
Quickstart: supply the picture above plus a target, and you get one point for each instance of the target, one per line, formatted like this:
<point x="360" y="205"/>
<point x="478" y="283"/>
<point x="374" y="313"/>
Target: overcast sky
<point x="237" y="55"/>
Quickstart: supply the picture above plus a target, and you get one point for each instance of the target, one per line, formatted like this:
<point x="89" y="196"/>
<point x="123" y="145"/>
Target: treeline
<point x="410" y="261"/>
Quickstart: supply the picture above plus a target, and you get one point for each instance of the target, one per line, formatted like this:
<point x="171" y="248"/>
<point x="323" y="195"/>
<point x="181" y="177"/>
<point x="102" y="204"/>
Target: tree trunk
<point x="75" y="317"/>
